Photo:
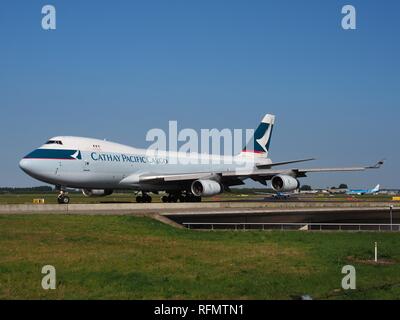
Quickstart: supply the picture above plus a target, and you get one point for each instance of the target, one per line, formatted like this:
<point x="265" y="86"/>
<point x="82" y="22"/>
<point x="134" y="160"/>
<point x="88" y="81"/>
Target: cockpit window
<point x="54" y="142"/>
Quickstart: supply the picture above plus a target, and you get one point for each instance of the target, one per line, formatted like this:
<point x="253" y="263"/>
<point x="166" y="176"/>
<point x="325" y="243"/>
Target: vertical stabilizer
<point x="261" y="141"/>
<point x="376" y="189"/>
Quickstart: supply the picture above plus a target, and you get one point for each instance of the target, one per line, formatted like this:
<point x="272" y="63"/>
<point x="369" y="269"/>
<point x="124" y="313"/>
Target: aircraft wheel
<point x="63" y="200"/>
<point x="164" y="199"/>
<point x="147" y="199"/>
<point x="139" y="199"/>
<point x="193" y="198"/>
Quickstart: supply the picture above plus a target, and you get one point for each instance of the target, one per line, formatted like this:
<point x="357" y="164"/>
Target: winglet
<point x="377" y="165"/>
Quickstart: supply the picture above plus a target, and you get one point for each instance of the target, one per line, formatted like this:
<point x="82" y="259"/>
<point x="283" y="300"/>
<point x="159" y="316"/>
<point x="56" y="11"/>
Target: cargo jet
<point x="99" y="167"/>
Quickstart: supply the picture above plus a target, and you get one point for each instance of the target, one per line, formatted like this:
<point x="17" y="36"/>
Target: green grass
<point x="51" y="198"/>
<point x="124" y="257"/>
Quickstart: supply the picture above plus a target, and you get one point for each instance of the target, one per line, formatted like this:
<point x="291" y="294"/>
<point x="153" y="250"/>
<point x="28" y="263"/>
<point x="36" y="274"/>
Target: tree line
<point x="4" y="190"/>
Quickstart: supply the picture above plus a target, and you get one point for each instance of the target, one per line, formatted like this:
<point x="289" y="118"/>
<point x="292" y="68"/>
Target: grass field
<point x="51" y="198"/>
<point x="108" y="257"/>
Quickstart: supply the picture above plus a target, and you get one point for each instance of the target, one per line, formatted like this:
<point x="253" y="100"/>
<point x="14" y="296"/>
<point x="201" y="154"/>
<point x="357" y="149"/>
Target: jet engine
<point x="206" y="188"/>
<point x="284" y="183"/>
<point x="96" y="192"/>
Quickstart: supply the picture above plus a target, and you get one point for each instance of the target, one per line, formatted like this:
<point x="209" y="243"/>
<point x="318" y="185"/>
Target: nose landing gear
<point x="63" y="197"/>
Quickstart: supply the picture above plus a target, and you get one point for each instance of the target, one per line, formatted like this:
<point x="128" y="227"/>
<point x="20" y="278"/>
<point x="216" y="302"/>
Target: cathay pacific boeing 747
<point x="99" y="167"/>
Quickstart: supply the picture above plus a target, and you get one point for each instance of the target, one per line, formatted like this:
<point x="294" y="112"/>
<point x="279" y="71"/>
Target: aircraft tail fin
<point x="376" y="189"/>
<point x="260" y="143"/>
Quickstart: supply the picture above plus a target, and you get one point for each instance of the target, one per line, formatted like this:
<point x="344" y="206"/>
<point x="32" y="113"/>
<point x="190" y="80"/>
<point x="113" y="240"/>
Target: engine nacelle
<point x="206" y="188"/>
<point x="96" y="192"/>
<point x="284" y="183"/>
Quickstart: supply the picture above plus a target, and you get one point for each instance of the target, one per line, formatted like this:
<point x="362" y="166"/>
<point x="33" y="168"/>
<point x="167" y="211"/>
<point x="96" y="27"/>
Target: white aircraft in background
<point x="99" y="167"/>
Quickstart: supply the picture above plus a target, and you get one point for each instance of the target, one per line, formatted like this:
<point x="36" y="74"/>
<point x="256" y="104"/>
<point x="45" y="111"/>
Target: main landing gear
<point x="144" y="198"/>
<point x="63" y="197"/>
<point x="170" y="198"/>
<point x="180" y="197"/>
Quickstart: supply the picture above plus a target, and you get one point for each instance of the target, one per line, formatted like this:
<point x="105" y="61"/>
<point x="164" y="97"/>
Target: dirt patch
<point x="382" y="261"/>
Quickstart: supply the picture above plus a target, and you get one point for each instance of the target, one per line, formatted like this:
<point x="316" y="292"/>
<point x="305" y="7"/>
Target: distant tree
<point x="305" y="188"/>
<point x="26" y="190"/>
<point x="343" y="186"/>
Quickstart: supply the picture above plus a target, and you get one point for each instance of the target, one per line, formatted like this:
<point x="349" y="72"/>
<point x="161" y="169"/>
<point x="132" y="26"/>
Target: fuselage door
<point x="58" y="168"/>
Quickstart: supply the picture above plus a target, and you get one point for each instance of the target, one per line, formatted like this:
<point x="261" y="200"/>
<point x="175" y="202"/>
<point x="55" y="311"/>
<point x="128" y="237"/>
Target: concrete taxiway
<point x="229" y="212"/>
<point x="190" y="208"/>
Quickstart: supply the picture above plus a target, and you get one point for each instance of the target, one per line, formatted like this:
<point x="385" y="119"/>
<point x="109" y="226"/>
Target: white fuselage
<point x="96" y="164"/>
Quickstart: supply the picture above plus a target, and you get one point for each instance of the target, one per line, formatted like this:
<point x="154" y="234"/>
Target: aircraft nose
<point x="34" y="168"/>
<point x="26" y="165"/>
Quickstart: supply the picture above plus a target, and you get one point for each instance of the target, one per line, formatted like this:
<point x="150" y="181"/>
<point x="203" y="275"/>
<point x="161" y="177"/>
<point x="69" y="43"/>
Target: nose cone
<point x="37" y="169"/>
<point x="26" y="165"/>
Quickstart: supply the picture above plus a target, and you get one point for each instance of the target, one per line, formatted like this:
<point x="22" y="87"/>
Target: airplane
<point x="361" y="192"/>
<point x="98" y="167"/>
<point x="276" y="195"/>
<point x="281" y="196"/>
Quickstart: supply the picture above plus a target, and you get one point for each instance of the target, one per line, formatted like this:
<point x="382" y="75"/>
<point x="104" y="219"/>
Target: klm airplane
<point x="99" y="167"/>
<point x="361" y="192"/>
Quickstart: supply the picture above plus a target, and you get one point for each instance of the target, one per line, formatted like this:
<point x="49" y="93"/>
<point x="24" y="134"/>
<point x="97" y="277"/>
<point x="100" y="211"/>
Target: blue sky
<point x="115" y="69"/>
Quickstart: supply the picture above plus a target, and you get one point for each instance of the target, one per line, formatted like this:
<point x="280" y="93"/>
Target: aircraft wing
<point x="299" y="173"/>
<point x="275" y="164"/>
<point x="233" y="177"/>
<point x="375" y="166"/>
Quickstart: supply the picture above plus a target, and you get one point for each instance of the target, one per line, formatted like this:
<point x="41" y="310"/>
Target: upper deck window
<point x="54" y="142"/>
